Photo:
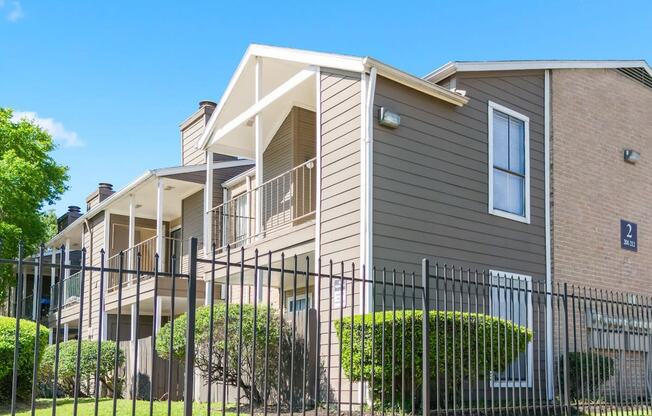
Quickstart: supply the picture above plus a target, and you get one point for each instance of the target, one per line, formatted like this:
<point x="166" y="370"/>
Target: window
<point x="511" y="299"/>
<point x="509" y="163"/>
<point x="298" y="303"/>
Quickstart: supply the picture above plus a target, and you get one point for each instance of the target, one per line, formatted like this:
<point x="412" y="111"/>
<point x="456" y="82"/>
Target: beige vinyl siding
<point x="431" y="179"/>
<point x="340" y="100"/>
<point x="94" y="245"/>
<point x="190" y="154"/>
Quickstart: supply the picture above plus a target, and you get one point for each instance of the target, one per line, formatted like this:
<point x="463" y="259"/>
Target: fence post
<point x="425" y="267"/>
<point x="19" y="291"/>
<point x="190" y="334"/>
<point x="566" y="348"/>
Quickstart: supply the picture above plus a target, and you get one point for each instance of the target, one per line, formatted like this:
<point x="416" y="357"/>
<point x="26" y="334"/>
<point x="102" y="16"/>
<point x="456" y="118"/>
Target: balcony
<point x="147" y="251"/>
<point x="284" y="201"/>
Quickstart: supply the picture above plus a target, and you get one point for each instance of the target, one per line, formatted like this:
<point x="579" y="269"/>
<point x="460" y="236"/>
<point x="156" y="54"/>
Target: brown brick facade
<point x="596" y="114"/>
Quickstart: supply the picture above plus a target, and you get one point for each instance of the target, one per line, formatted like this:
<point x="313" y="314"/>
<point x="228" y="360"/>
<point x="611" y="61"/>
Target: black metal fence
<point x="265" y="334"/>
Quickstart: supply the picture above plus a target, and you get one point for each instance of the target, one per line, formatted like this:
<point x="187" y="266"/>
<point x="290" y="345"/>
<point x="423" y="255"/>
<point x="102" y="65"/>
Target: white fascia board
<point x="103" y="205"/>
<point x="416" y="83"/>
<point x="453" y="67"/>
<point x="200" y="168"/>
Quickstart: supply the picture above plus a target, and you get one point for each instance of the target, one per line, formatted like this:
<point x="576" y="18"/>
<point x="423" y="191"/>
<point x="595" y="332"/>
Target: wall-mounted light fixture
<point x="631" y="156"/>
<point x="388" y="118"/>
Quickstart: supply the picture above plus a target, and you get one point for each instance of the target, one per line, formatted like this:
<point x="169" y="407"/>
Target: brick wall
<point x="596" y="114"/>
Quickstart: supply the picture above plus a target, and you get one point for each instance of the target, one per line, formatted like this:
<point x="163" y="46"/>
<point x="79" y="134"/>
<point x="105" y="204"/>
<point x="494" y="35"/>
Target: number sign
<point x="628" y="235"/>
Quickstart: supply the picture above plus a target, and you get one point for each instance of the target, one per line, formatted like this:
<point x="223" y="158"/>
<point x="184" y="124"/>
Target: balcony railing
<point x="147" y="251"/>
<point x="287" y="199"/>
<point x="71" y="290"/>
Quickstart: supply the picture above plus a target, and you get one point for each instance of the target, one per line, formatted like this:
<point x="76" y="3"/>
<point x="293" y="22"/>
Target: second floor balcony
<point x="286" y="200"/>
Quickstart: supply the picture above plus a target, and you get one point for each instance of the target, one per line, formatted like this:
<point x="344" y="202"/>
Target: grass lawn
<point x="87" y="407"/>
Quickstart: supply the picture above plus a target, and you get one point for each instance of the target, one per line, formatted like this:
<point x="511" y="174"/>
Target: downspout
<point x="548" y="231"/>
<point x="368" y="174"/>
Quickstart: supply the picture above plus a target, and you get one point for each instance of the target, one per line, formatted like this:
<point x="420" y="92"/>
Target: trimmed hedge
<point x="587" y="371"/>
<point x="441" y="340"/>
<point x="26" y="340"/>
<point x="87" y="364"/>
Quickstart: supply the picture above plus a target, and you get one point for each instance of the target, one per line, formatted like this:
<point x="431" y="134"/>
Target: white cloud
<point x="67" y="138"/>
<point x="14" y="11"/>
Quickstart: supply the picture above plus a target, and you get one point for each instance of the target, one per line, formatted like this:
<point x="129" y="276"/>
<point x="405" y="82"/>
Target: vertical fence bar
<point x="211" y="324"/>
<point x="280" y="337"/>
<point x="318" y="334"/>
<point x="19" y="296"/>
<point x="413" y="386"/>
<point x="190" y="334"/>
<point x="382" y="343"/>
<point x="55" y="385"/>
<point x="253" y="346"/>
<point x="341" y="325"/>
<point x="240" y="316"/>
<point x="352" y="331"/>
<point x="393" y="352"/>
<point x="566" y="349"/>
<point x="294" y="332"/>
<point x="227" y="297"/>
<point x="305" y="339"/>
<point x="171" y="345"/>
<point x="402" y="344"/>
<point x="37" y="339"/>
<point x="425" y="269"/>
<point x="100" y="323"/>
<point x="134" y="387"/>
<point x="330" y="331"/>
<point x="155" y="312"/>
<point x="79" y="327"/>
<point x="267" y="341"/>
<point x="373" y="339"/>
<point x="116" y="362"/>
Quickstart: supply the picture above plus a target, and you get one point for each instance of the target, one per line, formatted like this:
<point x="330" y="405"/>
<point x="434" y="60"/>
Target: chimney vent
<point x="207" y="103"/>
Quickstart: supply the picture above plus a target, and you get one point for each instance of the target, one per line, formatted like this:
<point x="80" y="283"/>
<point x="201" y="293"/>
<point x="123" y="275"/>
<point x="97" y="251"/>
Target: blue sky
<point x="113" y="80"/>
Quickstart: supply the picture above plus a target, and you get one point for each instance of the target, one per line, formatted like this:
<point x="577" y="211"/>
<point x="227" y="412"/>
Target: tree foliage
<point x="30" y="179"/>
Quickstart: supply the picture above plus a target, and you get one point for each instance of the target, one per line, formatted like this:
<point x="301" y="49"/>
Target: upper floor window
<point x="509" y="163"/>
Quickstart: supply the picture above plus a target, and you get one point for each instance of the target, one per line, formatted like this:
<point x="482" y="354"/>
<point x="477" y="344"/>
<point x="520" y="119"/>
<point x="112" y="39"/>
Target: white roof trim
<point x="238" y="178"/>
<point x="327" y="60"/>
<point x="451" y="68"/>
<point x="201" y="167"/>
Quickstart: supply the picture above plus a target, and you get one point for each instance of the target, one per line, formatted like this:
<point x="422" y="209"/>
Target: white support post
<point x="160" y="232"/>
<point x="65" y="332"/>
<point x="66" y="273"/>
<point x="208" y="203"/>
<point x="131" y="256"/>
<point x="159" y="313"/>
<point x="50" y="336"/>
<point x="258" y="123"/>
<point x="36" y="302"/>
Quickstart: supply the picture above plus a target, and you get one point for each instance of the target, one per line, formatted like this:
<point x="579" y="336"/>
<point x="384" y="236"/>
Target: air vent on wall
<point x="638" y="74"/>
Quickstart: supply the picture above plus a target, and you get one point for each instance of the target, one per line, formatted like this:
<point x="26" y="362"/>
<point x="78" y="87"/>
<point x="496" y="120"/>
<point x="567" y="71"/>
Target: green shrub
<point x="441" y="340"/>
<point x="587" y="371"/>
<point x="26" y="340"/>
<point x="216" y="370"/>
<point x="87" y="365"/>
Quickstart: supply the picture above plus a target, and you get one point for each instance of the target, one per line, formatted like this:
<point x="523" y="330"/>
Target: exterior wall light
<point x="632" y="156"/>
<point x="388" y="118"/>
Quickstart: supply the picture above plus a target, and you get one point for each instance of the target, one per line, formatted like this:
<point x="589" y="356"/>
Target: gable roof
<point x="299" y="58"/>
<point x="453" y="67"/>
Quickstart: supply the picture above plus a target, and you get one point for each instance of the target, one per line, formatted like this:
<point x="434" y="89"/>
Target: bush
<point x="26" y="340"/>
<point x="87" y="365"/>
<point x="465" y="353"/>
<point x="216" y="371"/>
<point x="587" y="371"/>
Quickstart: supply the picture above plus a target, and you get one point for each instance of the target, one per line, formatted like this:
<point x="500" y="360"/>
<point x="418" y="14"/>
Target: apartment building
<point x="350" y="160"/>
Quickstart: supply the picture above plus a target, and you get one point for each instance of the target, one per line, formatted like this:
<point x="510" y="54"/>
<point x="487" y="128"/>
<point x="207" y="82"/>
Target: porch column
<point x="160" y="231"/>
<point x="36" y="302"/>
<point x="131" y="259"/>
<point x="208" y="203"/>
<point x="258" y="125"/>
<point x="65" y="332"/>
<point x="53" y="282"/>
<point x="66" y="273"/>
<point x="159" y="314"/>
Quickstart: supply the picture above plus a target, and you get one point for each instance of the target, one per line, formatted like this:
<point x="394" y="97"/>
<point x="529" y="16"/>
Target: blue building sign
<point x="628" y="235"/>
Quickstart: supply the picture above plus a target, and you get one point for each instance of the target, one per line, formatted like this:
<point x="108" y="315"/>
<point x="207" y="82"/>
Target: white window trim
<point x="497" y="274"/>
<point x="291" y="298"/>
<point x="526" y="120"/>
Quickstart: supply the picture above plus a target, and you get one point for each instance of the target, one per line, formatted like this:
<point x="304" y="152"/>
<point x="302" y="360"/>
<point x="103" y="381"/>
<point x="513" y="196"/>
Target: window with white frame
<point x="298" y="302"/>
<point x="511" y="299"/>
<point x="509" y="163"/>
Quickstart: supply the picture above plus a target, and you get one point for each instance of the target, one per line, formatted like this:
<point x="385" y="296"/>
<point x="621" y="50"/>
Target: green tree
<point x="30" y="179"/>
